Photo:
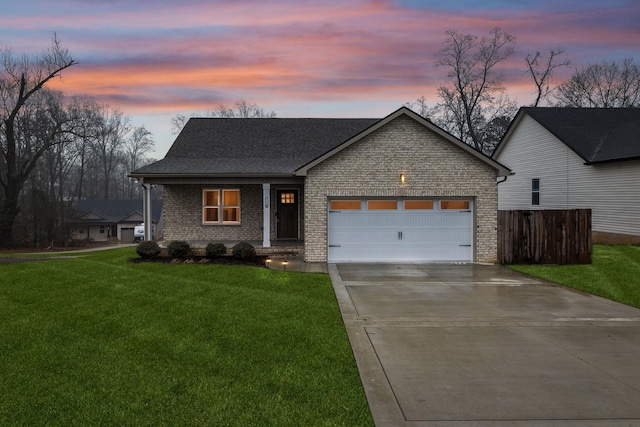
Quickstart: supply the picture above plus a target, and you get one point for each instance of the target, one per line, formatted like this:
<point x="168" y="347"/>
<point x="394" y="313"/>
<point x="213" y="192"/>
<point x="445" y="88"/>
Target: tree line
<point x="473" y="104"/>
<point x="57" y="149"/>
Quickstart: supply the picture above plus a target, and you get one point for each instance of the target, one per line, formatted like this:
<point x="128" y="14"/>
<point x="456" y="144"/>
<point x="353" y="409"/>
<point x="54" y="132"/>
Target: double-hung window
<point x="221" y="206"/>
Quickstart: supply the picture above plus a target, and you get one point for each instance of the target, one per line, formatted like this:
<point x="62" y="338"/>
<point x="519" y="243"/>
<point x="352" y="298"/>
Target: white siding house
<point x="576" y="158"/>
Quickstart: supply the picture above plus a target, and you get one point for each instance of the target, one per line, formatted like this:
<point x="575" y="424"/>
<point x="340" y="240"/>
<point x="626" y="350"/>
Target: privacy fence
<point x="544" y="237"/>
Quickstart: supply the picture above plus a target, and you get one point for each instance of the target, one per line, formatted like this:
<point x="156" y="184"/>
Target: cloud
<point x="298" y="56"/>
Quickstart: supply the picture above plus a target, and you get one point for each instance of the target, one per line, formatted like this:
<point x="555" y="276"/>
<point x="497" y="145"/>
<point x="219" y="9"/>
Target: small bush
<point x="215" y="250"/>
<point x="178" y="249"/>
<point x="148" y="249"/>
<point x="244" y="251"/>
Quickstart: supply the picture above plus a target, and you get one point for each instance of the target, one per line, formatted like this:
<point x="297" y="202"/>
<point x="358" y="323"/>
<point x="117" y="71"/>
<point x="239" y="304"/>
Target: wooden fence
<point x="544" y="237"/>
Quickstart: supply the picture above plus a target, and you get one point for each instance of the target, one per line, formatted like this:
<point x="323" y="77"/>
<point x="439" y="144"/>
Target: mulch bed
<point x="225" y="260"/>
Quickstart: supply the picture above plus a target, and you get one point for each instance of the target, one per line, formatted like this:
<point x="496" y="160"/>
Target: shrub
<point x="244" y="251"/>
<point x="214" y="250"/>
<point x="178" y="249"/>
<point x="148" y="249"/>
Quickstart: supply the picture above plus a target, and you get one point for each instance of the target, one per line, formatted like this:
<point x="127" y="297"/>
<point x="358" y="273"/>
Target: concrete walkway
<point x="474" y="345"/>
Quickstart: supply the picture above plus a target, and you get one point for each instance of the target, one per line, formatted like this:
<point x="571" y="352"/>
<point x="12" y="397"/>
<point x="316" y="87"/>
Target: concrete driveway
<point x="459" y="345"/>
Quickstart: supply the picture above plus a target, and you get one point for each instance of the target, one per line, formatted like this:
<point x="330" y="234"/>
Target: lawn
<point x="614" y="274"/>
<point x="98" y="340"/>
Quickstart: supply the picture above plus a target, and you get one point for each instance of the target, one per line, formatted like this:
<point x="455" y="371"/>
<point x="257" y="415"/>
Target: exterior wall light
<point x="403" y="178"/>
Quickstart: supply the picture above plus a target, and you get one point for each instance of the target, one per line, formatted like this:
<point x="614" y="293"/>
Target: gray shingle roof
<point x="597" y="135"/>
<point x="113" y="211"/>
<point x="220" y="146"/>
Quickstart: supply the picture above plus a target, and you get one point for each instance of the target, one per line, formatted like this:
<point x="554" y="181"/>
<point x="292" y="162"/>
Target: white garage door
<point x="400" y="230"/>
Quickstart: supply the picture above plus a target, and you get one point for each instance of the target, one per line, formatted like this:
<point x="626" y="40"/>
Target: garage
<point x="411" y="230"/>
<point x="126" y="235"/>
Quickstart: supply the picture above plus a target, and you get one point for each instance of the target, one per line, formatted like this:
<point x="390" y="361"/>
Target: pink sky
<point x="357" y="58"/>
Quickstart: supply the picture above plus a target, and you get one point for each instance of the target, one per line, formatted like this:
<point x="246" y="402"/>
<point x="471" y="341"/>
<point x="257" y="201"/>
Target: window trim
<point x="221" y="207"/>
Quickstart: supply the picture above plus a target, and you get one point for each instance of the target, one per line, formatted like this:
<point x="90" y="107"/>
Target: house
<point x="570" y="158"/>
<point x="393" y="189"/>
<point x="100" y="220"/>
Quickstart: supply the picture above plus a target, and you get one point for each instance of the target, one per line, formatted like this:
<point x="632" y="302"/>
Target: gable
<point x="597" y="135"/>
<point x="404" y="146"/>
<point x="91" y="216"/>
<point x="133" y="217"/>
<point x="416" y="127"/>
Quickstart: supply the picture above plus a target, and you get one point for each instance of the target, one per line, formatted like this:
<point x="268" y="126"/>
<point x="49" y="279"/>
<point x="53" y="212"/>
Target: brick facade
<point x="371" y="167"/>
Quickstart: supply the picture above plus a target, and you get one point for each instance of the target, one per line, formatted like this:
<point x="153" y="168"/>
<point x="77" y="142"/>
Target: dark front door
<point x="287" y="214"/>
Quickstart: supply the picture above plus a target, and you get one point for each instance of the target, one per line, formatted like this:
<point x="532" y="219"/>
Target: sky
<point x="154" y="59"/>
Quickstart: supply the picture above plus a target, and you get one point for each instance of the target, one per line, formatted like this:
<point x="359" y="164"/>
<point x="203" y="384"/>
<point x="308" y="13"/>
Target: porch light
<point x="403" y="178"/>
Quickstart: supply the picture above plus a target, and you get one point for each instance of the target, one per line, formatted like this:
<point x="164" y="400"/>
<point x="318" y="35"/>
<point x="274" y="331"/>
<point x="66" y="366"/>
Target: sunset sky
<point x="153" y="59"/>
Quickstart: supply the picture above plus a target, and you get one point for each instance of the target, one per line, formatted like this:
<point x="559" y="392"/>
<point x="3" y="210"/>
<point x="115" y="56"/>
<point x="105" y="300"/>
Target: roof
<point x="234" y="147"/>
<point x="114" y="211"/>
<point x="597" y="135"/>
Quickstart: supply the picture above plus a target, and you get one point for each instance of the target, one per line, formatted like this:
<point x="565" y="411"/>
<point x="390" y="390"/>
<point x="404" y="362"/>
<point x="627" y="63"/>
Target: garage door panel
<point x="416" y="235"/>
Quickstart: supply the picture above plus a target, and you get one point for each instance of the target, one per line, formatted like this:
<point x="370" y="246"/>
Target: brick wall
<point x="371" y="167"/>
<point x="183" y="214"/>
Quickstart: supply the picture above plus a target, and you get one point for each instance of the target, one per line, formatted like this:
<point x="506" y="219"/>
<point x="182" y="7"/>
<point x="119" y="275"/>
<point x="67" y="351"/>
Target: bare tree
<point x="604" y="85"/>
<point x="241" y="109"/>
<point x="421" y="107"/>
<point x="139" y="143"/>
<point x="21" y="80"/>
<point x="473" y="95"/>
<point x="108" y="146"/>
<point x="541" y="70"/>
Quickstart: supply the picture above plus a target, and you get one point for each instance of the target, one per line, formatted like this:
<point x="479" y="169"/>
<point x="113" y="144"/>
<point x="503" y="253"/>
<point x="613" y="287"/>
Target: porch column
<point x="146" y="211"/>
<point x="266" y="219"/>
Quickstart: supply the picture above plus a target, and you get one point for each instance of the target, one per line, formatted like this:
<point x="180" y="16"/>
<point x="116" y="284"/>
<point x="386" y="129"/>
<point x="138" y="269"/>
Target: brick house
<point x="393" y="189"/>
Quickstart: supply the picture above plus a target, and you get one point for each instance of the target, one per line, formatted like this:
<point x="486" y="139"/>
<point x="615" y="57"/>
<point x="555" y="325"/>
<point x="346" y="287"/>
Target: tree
<point x="139" y="143"/>
<point x="108" y="146"/>
<point x="32" y="120"/>
<point x="541" y="70"/>
<point x="241" y="109"/>
<point x="604" y="85"/>
<point x="473" y="95"/>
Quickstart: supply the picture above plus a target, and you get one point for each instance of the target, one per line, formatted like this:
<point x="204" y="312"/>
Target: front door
<point x="287" y="214"/>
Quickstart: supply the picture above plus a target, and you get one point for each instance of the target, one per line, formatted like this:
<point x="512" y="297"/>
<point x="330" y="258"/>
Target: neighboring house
<point x="100" y="220"/>
<point x="393" y="189"/>
<point x="570" y="158"/>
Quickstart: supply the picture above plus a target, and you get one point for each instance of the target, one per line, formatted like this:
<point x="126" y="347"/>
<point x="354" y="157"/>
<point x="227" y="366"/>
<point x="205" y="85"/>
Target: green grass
<point x="614" y="274"/>
<point x="100" y="341"/>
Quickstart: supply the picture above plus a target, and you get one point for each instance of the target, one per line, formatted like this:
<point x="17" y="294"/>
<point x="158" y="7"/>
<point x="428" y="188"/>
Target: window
<point x="379" y="205"/>
<point x="345" y="205"/>
<point x="535" y="191"/>
<point x="221" y="206"/>
<point x="287" y="198"/>
<point x="102" y="229"/>
<point x="454" y="204"/>
<point x="418" y="204"/>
